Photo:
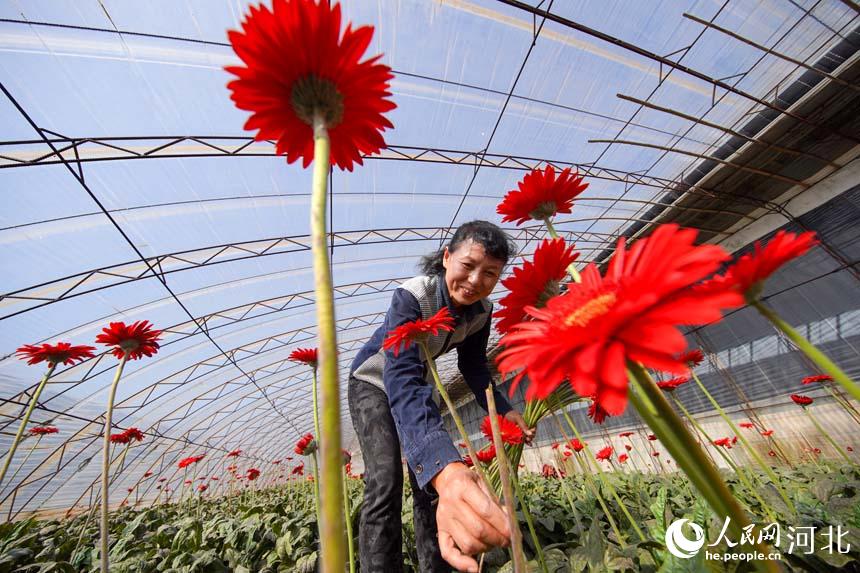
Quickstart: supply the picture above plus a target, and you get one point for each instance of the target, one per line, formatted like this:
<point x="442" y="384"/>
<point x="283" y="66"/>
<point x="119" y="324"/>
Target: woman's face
<point x="470" y="273"/>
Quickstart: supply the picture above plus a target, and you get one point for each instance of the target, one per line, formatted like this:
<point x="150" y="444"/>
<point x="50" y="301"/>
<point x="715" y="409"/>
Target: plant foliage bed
<point x="275" y="529"/>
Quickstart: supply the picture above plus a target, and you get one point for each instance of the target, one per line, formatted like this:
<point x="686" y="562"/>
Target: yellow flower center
<point x="597" y="306"/>
<point x="312" y="95"/>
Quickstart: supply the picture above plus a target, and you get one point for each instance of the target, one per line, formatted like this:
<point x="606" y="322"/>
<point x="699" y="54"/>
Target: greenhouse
<point x="430" y="285"/>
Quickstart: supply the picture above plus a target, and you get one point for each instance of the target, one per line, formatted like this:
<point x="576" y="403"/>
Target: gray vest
<point x="426" y="291"/>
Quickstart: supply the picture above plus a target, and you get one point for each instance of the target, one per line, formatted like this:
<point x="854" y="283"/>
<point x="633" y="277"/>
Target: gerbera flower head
<point x="604" y="454"/>
<point x="306" y="445"/>
<point x="253" y="473"/>
<point x="309" y="356"/>
<point x="418" y="330"/>
<point x="53" y="354"/>
<point x="42" y="430"/>
<point x="596" y="412"/>
<point x="121" y="438"/>
<point x="134" y="434"/>
<point x="625" y="434"/>
<point x="801" y="400"/>
<point x="233" y="454"/>
<point x="750" y="271"/>
<point x="746" y="425"/>
<point x="147" y="474"/>
<point x="137" y="340"/>
<point x="298" y="470"/>
<point x="299" y="65"/>
<point x="541" y="195"/>
<point x="692" y="357"/>
<point x="185" y="462"/>
<point x="511" y="433"/>
<point x="817" y="378"/>
<point x="202" y="487"/>
<point x="767" y="433"/>
<point x="575" y="445"/>
<point x="486" y="455"/>
<point x="673" y="383"/>
<point x="623" y="458"/>
<point x="652" y="437"/>
<point x="588" y="334"/>
<point x="628" y="447"/>
<point x="535" y="282"/>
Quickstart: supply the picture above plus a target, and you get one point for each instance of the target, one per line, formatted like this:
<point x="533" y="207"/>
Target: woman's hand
<point x="517" y="418"/>
<point x="468" y="520"/>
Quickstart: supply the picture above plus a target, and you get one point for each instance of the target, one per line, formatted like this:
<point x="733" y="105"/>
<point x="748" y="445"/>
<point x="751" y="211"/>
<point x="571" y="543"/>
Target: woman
<point x="393" y="406"/>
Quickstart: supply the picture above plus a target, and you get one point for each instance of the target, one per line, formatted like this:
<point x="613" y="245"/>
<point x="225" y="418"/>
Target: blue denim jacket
<point x="406" y="380"/>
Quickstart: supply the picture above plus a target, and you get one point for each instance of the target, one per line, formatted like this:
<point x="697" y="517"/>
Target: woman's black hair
<point x="495" y="242"/>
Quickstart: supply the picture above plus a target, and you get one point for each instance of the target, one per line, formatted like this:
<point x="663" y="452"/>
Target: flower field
<point x="274" y="530"/>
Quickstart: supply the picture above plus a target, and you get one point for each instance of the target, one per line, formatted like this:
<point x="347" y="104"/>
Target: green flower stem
<point x="811" y="351"/>
<point x="519" y="557"/>
<point x="456" y="417"/>
<point x="747" y="446"/>
<point x="348" y="513"/>
<point x="530" y="522"/>
<point x="317" y="439"/>
<point x="737" y="469"/>
<point x="827" y="435"/>
<point x="316" y="488"/>
<point x="588" y="480"/>
<point x="105" y="533"/>
<point x="23" y="427"/>
<point x="593" y="462"/>
<point x="569" y="495"/>
<point x="574" y="274"/>
<point x="331" y="530"/>
<point x="846" y="405"/>
<point x="649" y="401"/>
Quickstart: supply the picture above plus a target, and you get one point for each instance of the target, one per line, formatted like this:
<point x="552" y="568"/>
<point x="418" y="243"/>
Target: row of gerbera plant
<point x="307" y="89"/>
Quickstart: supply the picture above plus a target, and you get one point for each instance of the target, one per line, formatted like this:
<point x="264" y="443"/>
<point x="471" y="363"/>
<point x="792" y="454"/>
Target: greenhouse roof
<point x="131" y="191"/>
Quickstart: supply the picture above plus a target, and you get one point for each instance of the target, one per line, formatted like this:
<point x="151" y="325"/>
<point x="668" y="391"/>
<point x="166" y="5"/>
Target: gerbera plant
<point x="126" y="342"/>
<point x="307" y="88"/>
<point x="53" y="354"/>
<point x="804" y="402"/>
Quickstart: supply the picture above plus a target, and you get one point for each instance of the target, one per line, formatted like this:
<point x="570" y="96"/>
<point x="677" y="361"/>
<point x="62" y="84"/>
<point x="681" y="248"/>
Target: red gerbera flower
<point x="567" y="453"/>
<point x="750" y="271"/>
<point x="656" y="454"/>
<point x="817" y="378"/>
<point x="298" y="63"/>
<point x="147" y="474"/>
<point x="628" y="447"/>
<point x="692" y="357"/>
<point x="486" y="455"/>
<point x="185" y="462"/>
<point x="772" y="453"/>
<point x="202" y="487"/>
<point x="188" y="482"/>
<point x="604" y="454"/>
<point x="306" y="445"/>
<point x="162" y="479"/>
<point x="596" y="412"/>
<point x="541" y="195"/>
<point x="767" y="433"/>
<point x="134" y="434"/>
<point x="121" y="438"/>
<point x="61" y="352"/>
<point x="576" y="445"/>
<point x="215" y="478"/>
<point x="42" y="430"/>
<point x="652" y="437"/>
<point x="138" y="339"/>
<point x="673" y="383"/>
<point x="233" y="454"/>
<point x="801" y="400"/>
<point x="309" y="356"/>
<point x="298" y="470"/>
<point x="511" y="433"/>
<point x="253" y="473"/>
<point x="746" y="425"/>
<point x="587" y="335"/>
<point x="625" y="434"/>
<point x="418" y="330"/>
<point x="623" y="458"/>
<point x="535" y="282"/>
<point x="276" y="462"/>
<point x="555" y="445"/>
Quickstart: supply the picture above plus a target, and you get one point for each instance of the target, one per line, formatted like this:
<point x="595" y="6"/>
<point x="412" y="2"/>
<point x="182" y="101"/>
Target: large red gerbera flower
<point x="309" y="356"/>
<point x="42" y="430"/>
<point x="298" y="64"/>
<point x="487" y="455"/>
<point x="817" y="378"/>
<point x="576" y="445"/>
<point x="185" y="462"/>
<point x="535" y="282"/>
<point x="750" y="271"/>
<point x="138" y="339"/>
<point x="61" y="352"/>
<point x="588" y="334"/>
<point x="604" y="454"/>
<point x="673" y="383"/>
<point x="306" y="445"/>
<point x="801" y="400"/>
<point x="253" y="473"/>
<point x="541" y="195"/>
<point x="418" y="330"/>
<point x="511" y="433"/>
